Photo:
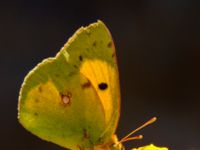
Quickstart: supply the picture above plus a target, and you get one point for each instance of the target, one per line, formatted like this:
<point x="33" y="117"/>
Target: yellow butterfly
<point x="73" y="99"/>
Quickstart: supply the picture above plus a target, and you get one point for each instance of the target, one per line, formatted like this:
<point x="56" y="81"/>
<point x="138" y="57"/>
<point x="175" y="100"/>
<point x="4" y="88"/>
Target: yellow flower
<point x="150" y="147"/>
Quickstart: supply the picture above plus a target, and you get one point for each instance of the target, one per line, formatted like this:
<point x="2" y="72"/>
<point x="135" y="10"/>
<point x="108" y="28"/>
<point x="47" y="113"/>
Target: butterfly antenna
<point x="138" y="137"/>
<point x="128" y="138"/>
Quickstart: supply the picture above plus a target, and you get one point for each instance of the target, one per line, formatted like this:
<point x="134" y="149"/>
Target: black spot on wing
<point x="103" y="86"/>
<point x="81" y="58"/>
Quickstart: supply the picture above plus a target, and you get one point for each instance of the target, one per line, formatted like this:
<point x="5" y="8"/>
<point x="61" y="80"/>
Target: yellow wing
<point x="96" y="58"/>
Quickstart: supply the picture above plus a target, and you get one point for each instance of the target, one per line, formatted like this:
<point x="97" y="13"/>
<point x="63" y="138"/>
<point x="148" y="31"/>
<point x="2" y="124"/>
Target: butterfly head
<point x="113" y="144"/>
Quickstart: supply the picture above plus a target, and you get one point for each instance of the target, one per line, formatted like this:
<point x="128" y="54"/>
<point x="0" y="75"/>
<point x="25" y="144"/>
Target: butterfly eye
<point x="103" y="86"/>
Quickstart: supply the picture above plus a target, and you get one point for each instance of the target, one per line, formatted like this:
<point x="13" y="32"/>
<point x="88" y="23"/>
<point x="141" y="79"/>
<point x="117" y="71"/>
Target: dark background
<point x="158" y="47"/>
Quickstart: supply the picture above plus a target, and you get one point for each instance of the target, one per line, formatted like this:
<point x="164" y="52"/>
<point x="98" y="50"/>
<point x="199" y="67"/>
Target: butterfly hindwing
<point x="60" y="111"/>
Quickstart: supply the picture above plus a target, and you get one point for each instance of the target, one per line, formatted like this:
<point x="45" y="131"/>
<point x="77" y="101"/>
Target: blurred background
<point x="158" y="48"/>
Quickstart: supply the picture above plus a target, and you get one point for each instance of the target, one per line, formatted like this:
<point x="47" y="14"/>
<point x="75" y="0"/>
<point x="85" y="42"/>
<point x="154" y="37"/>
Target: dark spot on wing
<point x="103" y="86"/>
<point x="85" y="134"/>
<point x="40" y="89"/>
<point x="109" y="44"/>
<point x="36" y="100"/>
<point x="100" y="140"/>
<point x="66" y="98"/>
<point x="81" y="58"/>
<point x="94" y="44"/>
<point x="86" y="84"/>
<point x="35" y="114"/>
<point x="75" y="66"/>
<point x="57" y="75"/>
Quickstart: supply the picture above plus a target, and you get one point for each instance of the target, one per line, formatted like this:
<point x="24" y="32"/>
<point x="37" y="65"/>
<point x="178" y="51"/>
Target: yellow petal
<point x="150" y="147"/>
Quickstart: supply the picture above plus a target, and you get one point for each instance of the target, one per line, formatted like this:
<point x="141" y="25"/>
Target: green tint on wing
<point x="94" y="43"/>
<point x="59" y="100"/>
<point x="54" y="106"/>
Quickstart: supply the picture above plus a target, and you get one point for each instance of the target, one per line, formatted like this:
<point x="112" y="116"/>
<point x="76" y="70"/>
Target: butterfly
<point x="73" y="99"/>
